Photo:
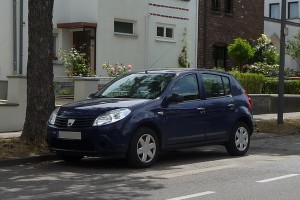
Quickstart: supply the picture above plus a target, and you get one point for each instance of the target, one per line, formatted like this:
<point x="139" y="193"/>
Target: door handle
<point x="202" y="110"/>
<point x="231" y="106"/>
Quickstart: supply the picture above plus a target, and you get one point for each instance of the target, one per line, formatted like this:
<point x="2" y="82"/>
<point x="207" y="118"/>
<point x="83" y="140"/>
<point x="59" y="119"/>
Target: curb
<point x="27" y="160"/>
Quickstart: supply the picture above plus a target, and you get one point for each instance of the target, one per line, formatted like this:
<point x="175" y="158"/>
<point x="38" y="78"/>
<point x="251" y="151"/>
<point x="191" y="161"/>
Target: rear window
<point x="216" y="85"/>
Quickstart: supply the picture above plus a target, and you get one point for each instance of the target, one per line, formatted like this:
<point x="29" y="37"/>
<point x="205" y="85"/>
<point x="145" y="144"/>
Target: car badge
<point x="71" y="122"/>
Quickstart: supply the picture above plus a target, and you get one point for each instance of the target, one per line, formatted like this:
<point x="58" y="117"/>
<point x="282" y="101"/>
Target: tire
<point x="71" y="159"/>
<point x="143" y="148"/>
<point x="239" y="140"/>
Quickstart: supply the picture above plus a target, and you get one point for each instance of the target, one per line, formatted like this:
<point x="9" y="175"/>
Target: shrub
<point x="116" y="69"/>
<point x="290" y="86"/>
<point x="293" y="46"/>
<point x="252" y="83"/>
<point x="75" y="62"/>
<point x="265" y="52"/>
<point x="265" y="69"/>
<point x="241" y="51"/>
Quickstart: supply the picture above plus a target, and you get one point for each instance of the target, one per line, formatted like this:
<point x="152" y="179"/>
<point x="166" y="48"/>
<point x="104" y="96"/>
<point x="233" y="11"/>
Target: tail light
<point x="250" y="105"/>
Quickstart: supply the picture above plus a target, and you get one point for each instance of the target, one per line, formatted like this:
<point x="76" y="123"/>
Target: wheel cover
<point x="241" y="138"/>
<point x="146" y="148"/>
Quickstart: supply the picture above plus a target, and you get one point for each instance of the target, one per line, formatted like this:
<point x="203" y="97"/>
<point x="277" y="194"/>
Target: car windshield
<point x="140" y="85"/>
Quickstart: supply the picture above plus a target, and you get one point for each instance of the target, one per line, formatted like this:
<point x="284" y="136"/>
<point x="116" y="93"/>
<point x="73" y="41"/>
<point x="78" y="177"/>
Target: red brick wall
<point x="246" y="21"/>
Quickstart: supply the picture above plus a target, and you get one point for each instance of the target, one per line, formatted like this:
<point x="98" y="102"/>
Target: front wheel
<point x="239" y="140"/>
<point x="143" y="148"/>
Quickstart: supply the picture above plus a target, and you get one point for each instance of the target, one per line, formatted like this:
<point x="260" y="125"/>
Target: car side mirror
<point x="91" y="96"/>
<point x="175" y="98"/>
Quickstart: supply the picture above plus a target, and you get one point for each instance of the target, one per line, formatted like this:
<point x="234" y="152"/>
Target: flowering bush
<point x="182" y="59"/>
<point x="76" y="62"/>
<point x="116" y="69"/>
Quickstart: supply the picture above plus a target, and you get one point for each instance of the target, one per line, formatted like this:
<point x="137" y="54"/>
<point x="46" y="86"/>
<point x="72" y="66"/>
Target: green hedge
<point x="290" y="86"/>
<point x="252" y="83"/>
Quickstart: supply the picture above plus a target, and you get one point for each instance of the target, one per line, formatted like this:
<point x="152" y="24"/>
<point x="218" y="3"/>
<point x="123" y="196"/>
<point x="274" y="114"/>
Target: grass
<point x="15" y="148"/>
<point x="290" y="126"/>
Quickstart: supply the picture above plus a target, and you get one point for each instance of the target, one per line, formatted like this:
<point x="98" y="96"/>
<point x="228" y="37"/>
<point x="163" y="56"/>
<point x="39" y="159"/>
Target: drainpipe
<point x="21" y="39"/>
<point x="204" y="34"/>
<point x="15" y="37"/>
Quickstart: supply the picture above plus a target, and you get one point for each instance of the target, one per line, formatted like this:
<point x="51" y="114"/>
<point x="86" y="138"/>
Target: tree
<point x="40" y="89"/>
<point x="293" y="47"/>
<point x="241" y="51"/>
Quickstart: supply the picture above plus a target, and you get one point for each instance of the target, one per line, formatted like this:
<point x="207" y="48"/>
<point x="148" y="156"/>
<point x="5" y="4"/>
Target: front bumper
<point x="94" y="141"/>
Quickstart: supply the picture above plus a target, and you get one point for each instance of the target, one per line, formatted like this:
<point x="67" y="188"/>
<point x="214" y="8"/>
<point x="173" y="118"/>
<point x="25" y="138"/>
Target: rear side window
<point x="187" y="86"/>
<point x="216" y="85"/>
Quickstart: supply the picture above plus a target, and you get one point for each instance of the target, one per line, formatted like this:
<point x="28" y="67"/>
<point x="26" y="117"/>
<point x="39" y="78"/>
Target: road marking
<point x="195" y="171"/>
<point x="277" y="178"/>
<point x="192" y="195"/>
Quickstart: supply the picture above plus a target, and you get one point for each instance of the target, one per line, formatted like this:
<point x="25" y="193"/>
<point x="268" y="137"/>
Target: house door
<point x="82" y="41"/>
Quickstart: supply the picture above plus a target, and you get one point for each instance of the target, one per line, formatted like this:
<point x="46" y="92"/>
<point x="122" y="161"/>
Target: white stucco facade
<point x="272" y="28"/>
<point x="6" y="39"/>
<point x="143" y="49"/>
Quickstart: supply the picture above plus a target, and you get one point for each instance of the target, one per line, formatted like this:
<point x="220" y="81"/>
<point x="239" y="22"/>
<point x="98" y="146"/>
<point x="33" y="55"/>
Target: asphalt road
<point x="271" y="170"/>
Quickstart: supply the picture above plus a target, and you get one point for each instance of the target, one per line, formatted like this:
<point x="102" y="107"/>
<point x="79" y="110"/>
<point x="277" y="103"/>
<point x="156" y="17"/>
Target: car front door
<point x="184" y="120"/>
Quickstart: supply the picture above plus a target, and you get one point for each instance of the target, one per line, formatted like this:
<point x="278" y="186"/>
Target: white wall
<point x="272" y="28"/>
<point x="119" y="48"/>
<point x="164" y="54"/>
<point x="6" y="39"/>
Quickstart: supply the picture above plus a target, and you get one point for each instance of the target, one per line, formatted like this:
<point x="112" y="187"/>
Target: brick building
<point x="220" y="22"/>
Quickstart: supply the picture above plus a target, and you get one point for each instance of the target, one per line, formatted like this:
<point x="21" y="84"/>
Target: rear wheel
<point x="239" y="140"/>
<point x="143" y="148"/>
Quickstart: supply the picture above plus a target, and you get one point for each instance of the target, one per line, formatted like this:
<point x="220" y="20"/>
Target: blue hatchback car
<point x="141" y="114"/>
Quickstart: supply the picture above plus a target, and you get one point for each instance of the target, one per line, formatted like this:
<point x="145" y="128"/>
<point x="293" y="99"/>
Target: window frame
<point x="225" y="94"/>
<point x="270" y="10"/>
<point x="214" y="54"/>
<point x="228" y="3"/>
<point x="132" y="33"/>
<point x="289" y="9"/>
<point x="216" y="5"/>
<point x="198" y="95"/>
<point x="165" y="27"/>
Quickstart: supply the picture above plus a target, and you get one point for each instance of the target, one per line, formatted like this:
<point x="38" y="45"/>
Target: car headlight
<point x="52" y="117"/>
<point x="112" y="116"/>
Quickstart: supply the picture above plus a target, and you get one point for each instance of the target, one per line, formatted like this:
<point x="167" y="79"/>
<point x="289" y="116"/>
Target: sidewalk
<point x="255" y="117"/>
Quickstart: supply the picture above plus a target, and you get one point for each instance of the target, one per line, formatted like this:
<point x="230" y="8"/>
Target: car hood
<point x="93" y="107"/>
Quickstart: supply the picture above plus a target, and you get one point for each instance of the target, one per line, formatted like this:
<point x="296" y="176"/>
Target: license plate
<point x="69" y="135"/>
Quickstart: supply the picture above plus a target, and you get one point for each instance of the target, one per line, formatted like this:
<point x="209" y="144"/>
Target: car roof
<point x="183" y="70"/>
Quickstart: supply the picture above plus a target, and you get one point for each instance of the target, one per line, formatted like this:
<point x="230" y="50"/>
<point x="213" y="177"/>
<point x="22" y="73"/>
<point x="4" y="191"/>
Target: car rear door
<point x="219" y="105"/>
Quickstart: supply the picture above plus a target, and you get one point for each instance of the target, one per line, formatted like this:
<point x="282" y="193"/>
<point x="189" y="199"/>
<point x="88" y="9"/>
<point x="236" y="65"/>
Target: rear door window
<point x="216" y="85"/>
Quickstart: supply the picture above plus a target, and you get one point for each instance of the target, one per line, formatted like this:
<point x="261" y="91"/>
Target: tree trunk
<point x="40" y="89"/>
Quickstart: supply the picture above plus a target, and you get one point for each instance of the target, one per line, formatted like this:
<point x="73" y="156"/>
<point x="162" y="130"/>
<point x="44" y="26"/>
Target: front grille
<point x="62" y="122"/>
<point x="73" y="145"/>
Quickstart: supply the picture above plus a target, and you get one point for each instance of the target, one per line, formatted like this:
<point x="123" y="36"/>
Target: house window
<point x="122" y="27"/>
<point x="293" y="11"/>
<point x="165" y="32"/>
<point x="219" y="56"/>
<point x="228" y="6"/>
<point x="216" y="5"/>
<point x="54" y="46"/>
<point x="274" y="11"/>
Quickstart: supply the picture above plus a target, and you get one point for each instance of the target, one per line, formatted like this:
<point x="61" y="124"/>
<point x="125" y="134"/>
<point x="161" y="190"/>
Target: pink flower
<point x="120" y="68"/>
<point x="112" y="69"/>
<point x="129" y="67"/>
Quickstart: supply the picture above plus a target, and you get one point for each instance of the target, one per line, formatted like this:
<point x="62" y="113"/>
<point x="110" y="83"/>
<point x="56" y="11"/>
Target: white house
<point x="147" y="34"/>
<point x="272" y="25"/>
